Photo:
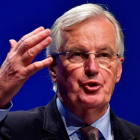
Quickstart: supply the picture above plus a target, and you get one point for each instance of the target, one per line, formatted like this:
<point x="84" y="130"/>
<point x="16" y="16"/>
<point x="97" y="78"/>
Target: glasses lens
<point x="75" y="56"/>
<point x="103" y="58"/>
<point x="104" y="62"/>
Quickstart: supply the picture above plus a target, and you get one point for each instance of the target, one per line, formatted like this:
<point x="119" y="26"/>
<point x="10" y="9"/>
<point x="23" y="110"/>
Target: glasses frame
<point x="64" y="53"/>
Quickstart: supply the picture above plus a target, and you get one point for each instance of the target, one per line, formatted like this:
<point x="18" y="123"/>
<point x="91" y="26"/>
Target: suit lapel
<point x="53" y="127"/>
<point x="120" y="131"/>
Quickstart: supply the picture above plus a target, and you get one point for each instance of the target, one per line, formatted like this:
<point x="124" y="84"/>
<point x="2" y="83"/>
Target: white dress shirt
<point x="73" y="123"/>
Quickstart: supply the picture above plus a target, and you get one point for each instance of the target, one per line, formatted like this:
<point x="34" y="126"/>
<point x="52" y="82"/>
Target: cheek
<point x="68" y="75"/>
<point x="109" y="76"/>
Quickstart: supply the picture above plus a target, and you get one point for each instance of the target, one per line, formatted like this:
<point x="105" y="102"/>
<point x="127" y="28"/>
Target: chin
<point x="91" y="101"/>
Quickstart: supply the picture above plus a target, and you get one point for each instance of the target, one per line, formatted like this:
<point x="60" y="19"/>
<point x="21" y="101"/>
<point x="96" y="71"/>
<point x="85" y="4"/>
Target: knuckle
<point x="24" y="74"/>
<point x="45" y="42"/>
<point x="40" y="36"/>
<point x="30" y="52"/>
<point x="42" y="44"/>
<point x="35" y="66"/>
<point x="26" y="44"/>
<point x="23" y="38"/>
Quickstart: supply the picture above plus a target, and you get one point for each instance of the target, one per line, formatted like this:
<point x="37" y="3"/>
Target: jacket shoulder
<point x="18" y="123"/>
<point x="123" y="129"/>
<point x="25" y="116"/>
<point x="130" y="126"/>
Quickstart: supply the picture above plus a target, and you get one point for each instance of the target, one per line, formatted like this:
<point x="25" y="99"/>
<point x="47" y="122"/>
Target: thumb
<point x="12" y="43"/>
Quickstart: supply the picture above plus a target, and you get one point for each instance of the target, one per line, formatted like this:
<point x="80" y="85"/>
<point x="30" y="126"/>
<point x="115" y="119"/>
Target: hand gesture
<point x="17" y="67"/>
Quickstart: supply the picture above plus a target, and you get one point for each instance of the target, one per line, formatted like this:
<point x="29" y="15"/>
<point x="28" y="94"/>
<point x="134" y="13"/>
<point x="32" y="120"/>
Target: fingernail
<point x="11" y="40"/>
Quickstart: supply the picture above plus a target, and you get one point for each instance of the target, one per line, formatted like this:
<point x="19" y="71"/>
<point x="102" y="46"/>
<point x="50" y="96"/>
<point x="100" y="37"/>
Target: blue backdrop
<point x="20" y="17"/>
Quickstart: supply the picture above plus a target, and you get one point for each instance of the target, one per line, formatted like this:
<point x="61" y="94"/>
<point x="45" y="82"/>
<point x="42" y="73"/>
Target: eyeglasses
<point x="103" y="58"/>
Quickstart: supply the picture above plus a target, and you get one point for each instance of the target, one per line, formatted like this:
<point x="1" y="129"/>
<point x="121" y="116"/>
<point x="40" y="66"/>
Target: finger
<point x="33" y="52"/>
<point x="36" y="66"/>
<point x="34" y="32"/>
<point x="13" y="43"/>
<point x="33" y="41"/>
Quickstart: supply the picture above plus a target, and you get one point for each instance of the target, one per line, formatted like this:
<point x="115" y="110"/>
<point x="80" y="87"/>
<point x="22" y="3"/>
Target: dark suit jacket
<point x="45" y="123"/>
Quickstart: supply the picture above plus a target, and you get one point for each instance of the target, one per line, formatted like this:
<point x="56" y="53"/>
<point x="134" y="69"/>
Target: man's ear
<point x="119" y="70"/>
<point x="52" y="70"/>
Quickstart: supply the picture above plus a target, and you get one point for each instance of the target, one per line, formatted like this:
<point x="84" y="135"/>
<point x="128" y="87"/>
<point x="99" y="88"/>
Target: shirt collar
<point x="73" y="123"/>
<point x="104" y="125"/>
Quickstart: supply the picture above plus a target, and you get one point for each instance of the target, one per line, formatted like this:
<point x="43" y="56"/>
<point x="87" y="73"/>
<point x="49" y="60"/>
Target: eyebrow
<point x="77" y="48"/>
<point x="105" y="49"/>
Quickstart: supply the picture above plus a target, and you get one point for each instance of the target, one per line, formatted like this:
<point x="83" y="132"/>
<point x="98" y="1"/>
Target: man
<point x="85" y="62"/>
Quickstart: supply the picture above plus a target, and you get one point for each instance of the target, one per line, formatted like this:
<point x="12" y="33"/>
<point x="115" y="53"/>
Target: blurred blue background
<point x="20" y="17"/>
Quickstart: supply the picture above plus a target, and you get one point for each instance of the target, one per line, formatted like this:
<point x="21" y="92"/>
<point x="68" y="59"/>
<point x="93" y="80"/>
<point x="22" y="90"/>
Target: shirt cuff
<point x="4" y="112"/>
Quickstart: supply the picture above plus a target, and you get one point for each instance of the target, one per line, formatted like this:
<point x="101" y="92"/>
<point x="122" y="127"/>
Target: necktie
<point x="91" y="133"/>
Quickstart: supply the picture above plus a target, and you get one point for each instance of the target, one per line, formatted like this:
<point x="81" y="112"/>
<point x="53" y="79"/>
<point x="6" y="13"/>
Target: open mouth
<point x="91" y="86"/>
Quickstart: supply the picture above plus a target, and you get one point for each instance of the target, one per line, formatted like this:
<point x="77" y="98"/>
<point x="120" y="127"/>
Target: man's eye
<point x="105" y="55"/>
<point x="78" y="54"/>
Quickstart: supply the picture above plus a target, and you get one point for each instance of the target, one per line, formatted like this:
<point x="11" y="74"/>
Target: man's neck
<point x="87" y="114"/>
<point x="90" y="115"/>
<point x="73" y="123"/>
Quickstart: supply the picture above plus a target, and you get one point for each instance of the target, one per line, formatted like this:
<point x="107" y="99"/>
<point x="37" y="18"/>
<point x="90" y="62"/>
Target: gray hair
<point x="77" y="15"/>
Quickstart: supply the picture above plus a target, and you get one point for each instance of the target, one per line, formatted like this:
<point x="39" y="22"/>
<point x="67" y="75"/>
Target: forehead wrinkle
<point x="103" y="36"/>
<point x="75" y="41"/>
<point x="82" y="36"/>
<point x="79" y="40"/>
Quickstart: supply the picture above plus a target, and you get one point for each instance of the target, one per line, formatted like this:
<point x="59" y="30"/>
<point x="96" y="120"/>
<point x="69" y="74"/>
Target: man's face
<point x="87" y="85"/>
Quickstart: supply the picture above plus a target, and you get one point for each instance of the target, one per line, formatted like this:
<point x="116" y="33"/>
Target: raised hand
<point x="17" y="67"/>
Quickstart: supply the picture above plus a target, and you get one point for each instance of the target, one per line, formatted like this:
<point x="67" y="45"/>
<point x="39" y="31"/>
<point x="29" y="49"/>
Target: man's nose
<point x="91" y="66"/>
